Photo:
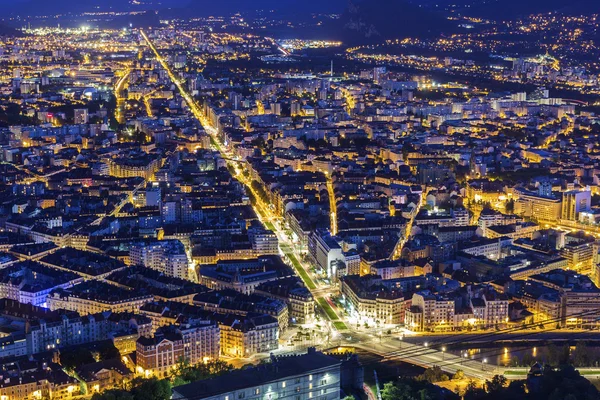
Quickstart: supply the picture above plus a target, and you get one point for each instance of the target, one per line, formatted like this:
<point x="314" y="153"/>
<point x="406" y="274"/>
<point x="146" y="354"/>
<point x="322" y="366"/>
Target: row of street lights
<point x="463" y="355"/>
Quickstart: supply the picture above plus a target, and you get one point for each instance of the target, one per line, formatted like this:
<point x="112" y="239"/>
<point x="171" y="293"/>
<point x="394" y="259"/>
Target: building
<point x="489" y="217"/>
<point x="93" y="297"/>
<point x="514" y="231"/>
<point x="301" y="303"/>
<point x="193" y="343"/>
<point x="45" y="330"/>
<point x="231" y="301"/>
<point x="531" y="205"/>
<point x="579" y="297"/>
<point x="496" y="309"/>
<point x="371" y="301"/>
<point x="543" y="302"/>
<point x="80" y="116"/>
<point x="387" y="269"/>
<point x="326" y="252"/>
<point x="104" y="375"/>
<point x="579" y="250"/>
<point x="31" y="282"/>
<point x="143" y="166"/>
<point x="243" y="275"/>
<point x="166" y="256"/>
<point x="30" y="379"/>
<point x="581" y="306"/>
<point x="264" y="242"/>
<point x="430" y="312"/>
<point x="489" y="248"/>
<point x="575" y="202"/>
<point x="244" y="336"/>
<point x="158" y="355"/>
<point x="309" y="376"/>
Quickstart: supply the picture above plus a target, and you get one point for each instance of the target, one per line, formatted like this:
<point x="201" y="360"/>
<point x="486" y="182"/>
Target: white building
<point x="264" y="242"/>
<point x="166" y="256"/>
<point x="326" y="252"/>
<point x="309" y="376"/>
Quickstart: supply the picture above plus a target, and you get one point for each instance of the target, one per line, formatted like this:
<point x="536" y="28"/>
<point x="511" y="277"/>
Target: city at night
<point x="300" y="199"/>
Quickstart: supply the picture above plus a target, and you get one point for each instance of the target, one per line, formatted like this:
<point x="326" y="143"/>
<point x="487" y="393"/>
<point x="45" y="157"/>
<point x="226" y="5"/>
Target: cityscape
<point x="294" y="200"/>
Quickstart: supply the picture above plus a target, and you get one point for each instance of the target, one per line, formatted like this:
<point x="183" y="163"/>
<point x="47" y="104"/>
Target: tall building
<point x="326" y="252"/>
<point x="166" y="256"/>
<point x="264" y="242"/>
<point x="81" y="116"/>
<point x="575" y="202"/>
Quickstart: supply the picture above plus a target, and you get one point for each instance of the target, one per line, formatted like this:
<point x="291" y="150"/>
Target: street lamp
<point x="483" y="362"/>
<point x="444" y="353"/>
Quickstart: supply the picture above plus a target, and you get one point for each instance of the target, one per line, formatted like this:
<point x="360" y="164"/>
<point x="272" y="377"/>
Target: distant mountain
<point x="377" y="20"/>
<point x="45" y="7"/>
<point x="299" y="7"/>
<point x="8" y="31"/>
<point x="511" y="9"/>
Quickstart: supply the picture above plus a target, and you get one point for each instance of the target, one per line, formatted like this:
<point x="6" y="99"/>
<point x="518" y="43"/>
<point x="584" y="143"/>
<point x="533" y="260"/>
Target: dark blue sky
<point x="60" y="6"/>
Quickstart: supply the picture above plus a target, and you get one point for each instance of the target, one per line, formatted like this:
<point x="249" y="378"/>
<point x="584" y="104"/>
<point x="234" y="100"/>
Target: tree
<point x="109" y="352"/>
<point x="151" y="389"/>
<point x="185" y="373"/>
<point x="459" y="375"/>
<point x="113" y="394"/>
<point x="433" y="374"/>
<point x="528" y="360"/>
<point x="496" y="384"/>
<point x="409" y="389"/>
<point x="473" y="392"/>
<point x="77" y="356"/>
<point x="558" y="356"/>
<point x="391" y="391"/>
<point x="510" y="206"/>
<point x="581" y="356"/>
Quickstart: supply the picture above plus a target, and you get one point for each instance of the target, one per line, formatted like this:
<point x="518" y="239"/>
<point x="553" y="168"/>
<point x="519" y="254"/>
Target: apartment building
<point x="243" y="336"/>
<point x="370" y="301"/>
<point x="166" y="256"/>
<point x="193" y="342"/>
<point x="94" y="297"/>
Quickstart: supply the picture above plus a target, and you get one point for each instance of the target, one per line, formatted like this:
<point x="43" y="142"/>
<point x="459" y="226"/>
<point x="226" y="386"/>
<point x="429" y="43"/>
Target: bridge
<point x="427" y="357"/>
